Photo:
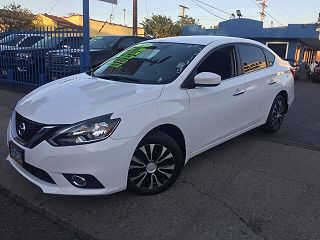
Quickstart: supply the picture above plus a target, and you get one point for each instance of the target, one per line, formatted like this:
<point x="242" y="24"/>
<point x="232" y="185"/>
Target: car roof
<point x="201" y="40"/>
<point x="26" y="34"/>
<point x="120" y="36"/>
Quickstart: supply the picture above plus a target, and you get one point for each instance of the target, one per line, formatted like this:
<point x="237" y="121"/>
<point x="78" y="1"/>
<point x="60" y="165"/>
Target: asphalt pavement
<point x="255" y="186"/>
<point x="20" y="222"/>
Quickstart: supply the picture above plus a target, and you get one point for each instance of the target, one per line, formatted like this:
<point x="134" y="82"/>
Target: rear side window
<point x="270" y="57"/>
<point x="253" y="58"/>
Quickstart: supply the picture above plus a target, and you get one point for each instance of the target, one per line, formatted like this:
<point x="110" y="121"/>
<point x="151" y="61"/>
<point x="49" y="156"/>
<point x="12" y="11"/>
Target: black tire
<point x="158" y="161"/>
<point x="276" y="115"/>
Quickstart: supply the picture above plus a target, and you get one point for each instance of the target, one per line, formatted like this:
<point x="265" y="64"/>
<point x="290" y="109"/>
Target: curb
<point x="73" y="228"/>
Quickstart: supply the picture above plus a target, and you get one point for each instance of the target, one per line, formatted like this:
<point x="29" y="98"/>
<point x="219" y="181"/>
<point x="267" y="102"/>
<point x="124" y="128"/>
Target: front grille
<point x="27" y="129"/>
<point x="57" y="62"/>
<point x="39" y="173"/>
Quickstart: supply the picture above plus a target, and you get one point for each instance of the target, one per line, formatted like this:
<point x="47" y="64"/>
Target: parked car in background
<point x="64" y="63"/>
<point x="14" y="41"/>
<point x="316" y="75"/>
<point x="313" y="71"/>
<point x="31" y="61"/>
<point x="138" y="118"/>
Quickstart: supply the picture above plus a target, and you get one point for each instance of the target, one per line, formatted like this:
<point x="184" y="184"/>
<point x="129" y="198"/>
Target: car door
<point x="260" y="80"/>
<point x="217" y="112"/>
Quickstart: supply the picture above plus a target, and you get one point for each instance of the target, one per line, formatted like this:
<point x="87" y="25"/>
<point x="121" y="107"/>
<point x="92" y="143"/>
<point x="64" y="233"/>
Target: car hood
<point x="80" y="97"/>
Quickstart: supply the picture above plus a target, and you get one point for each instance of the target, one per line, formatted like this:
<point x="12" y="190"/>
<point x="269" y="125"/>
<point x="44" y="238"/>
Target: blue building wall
<point x="305" y="35"/>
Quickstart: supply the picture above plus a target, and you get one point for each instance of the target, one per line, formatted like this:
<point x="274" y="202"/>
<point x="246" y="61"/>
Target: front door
<point x="217" y="112"/>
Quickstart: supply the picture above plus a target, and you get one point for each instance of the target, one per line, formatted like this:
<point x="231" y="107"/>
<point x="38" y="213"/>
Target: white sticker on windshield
<point x="148" y="53"/>
<point x="180" y="67"/>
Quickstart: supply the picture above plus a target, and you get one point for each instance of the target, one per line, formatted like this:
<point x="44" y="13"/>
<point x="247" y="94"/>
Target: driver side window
<point x="222" y="62"/>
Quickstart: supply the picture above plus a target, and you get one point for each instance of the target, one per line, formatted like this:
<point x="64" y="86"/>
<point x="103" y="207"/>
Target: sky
<point x="282" y="11"/>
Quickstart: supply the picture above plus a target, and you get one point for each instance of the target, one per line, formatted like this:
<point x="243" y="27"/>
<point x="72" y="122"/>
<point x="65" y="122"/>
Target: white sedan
<point x="136" y="120"/>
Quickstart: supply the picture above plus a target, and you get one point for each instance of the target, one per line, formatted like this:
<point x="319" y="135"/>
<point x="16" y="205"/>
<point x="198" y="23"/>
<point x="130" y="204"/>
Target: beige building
<point x="75" y="22"/>
<point x="102" y="28"/>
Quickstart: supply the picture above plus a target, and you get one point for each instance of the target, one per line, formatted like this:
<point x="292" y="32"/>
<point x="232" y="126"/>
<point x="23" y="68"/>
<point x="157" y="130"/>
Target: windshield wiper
<point x="119" y="78"/>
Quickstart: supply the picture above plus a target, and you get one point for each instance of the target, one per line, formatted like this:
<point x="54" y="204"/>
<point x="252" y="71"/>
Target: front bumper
<point x="108" y="161"/>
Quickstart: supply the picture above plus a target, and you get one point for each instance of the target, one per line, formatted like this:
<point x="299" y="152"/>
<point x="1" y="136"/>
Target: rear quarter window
<point x="253" y="58"/>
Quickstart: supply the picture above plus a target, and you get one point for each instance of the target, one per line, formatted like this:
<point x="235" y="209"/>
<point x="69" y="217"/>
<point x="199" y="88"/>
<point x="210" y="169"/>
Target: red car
<point x="295" y="68"/>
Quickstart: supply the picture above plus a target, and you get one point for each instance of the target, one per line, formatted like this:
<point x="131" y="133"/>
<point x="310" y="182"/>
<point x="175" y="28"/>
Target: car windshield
<point x="12" y="40"/>
<point x="48" y="42"/>
<point x="102" y="42"/>
<point x="149" y="63"/>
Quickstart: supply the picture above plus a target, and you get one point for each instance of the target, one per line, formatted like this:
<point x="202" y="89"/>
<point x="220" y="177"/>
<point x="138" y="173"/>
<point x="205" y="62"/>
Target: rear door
<point x="261" y="81"/>
<point x="217" y="112"/>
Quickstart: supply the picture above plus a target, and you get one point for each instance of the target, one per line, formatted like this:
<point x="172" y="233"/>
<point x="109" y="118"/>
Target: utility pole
<point x="182" y="13"/>
<point x="263" y="9"/>
<point x="318" y="24"/>
<point x="135" y="18"/>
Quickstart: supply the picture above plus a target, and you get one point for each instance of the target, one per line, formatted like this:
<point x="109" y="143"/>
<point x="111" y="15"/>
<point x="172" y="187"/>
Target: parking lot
<point x="255" y="186"/>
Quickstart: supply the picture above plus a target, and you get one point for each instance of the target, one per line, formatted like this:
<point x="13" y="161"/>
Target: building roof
<point x="249" y="28"/>
<point x="61" y="21"/>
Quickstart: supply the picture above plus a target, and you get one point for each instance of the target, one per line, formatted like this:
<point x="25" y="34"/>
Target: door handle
<point x="238" y="92"/>
<point x="272" y="81"/>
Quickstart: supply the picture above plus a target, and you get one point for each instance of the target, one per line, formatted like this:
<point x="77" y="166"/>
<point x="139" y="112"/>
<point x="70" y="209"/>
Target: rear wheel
<point x="155" y="165"/>
<point x="276" y="115"/>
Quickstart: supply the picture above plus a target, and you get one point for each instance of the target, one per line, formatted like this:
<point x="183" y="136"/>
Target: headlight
<point x="92" y="130"/>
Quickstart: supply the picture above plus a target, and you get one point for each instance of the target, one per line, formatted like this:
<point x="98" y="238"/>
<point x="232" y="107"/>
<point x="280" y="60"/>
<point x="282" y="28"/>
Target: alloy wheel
<point x="277" y="114"/>
<point x="151" y="166"/>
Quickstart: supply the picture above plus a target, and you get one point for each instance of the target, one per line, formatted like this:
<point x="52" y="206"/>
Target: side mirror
<point x="207" y="79"/>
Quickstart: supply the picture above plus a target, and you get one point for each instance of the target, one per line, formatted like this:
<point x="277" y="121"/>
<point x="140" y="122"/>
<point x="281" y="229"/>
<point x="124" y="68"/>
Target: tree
<point x="160" y="26"/>
<point x="14" y="17"/>
<point x="185" y="21"/>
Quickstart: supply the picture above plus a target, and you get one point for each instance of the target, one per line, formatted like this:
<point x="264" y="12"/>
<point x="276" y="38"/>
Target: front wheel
<point x="155" y="165"/>
<point x="276" y="115"/>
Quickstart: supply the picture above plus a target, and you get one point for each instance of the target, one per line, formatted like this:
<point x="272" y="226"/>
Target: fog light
<point x="83" y="181"/>
<point x="78" y="181"/>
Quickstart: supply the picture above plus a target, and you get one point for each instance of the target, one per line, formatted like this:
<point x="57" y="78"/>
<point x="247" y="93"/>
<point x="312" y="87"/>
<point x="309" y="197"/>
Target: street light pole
<point x="124" y="17"/>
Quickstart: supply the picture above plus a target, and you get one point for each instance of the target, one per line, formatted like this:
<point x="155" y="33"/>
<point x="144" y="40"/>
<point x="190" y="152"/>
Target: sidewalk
<point x="252" y="187"/>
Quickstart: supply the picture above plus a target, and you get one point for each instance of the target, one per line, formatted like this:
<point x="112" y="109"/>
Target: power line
<point x="55" y="4"/>
<point x="284" y="15"/>
<point x="267" y="13"/>
<point x="111" y="14"/>
<point x="208" y="10"/>
<point x="218" y="9"/>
